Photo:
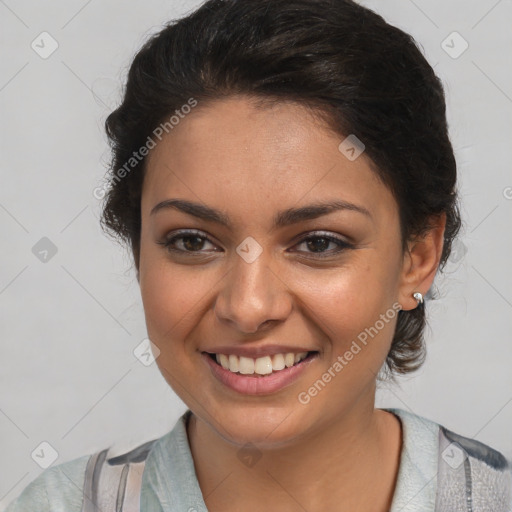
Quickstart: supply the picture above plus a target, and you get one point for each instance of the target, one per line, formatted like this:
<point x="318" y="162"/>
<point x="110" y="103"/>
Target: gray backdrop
<point x="71" y="314"/>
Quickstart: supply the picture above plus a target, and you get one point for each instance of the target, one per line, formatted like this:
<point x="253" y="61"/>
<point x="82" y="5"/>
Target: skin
<point x="337" y="452"/>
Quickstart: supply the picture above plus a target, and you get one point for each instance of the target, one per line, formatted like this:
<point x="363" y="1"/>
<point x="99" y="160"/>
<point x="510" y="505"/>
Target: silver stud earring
<point x="419" y="297"/>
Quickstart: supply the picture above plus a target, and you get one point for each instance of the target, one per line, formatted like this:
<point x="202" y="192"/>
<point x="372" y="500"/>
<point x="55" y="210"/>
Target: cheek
<point x="353" y="303"/>
<point x="171" y="299"/>
<point x="168" y="294"/>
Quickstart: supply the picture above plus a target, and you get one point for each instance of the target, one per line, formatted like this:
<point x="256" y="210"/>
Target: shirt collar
<point x="169" y="481"/>
<point x="416" y="485"/>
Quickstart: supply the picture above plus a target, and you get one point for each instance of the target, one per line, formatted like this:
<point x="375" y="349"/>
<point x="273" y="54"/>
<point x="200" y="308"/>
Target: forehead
<point x="236" y="155"/>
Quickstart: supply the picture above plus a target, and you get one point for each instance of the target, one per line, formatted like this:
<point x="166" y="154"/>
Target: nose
<point x="253" y="296"/>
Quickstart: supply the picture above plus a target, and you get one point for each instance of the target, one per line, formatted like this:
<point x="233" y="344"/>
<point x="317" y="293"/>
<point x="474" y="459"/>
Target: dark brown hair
<point x="342" y="60"/>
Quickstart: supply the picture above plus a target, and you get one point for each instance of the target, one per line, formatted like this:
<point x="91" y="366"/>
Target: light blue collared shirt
<point x="169" y="482"/>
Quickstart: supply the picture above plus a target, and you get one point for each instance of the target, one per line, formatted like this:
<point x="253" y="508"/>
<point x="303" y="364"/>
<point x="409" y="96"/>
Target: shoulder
<point x="468" y="472"/>
<point x="473" y="472"/>
<point x="61" y="488"/>
<point x="58" y="488"/>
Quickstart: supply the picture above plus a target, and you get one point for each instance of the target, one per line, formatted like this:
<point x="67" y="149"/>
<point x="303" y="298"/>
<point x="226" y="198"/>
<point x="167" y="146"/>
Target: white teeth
<point x="246" y="365"/>
<point x="303" y="355"/>
<point x="278" y="362"/>
<point x="233" y="363"/>
<point x="262" y="365"/>
<point x="224" y="361"/>
<point x="289" y="360"/>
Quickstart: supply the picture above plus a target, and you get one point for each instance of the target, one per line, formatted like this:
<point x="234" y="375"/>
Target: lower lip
<point x="261" y="385"/>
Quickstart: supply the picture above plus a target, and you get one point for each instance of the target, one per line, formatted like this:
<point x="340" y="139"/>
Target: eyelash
<point x="342" y="244"/>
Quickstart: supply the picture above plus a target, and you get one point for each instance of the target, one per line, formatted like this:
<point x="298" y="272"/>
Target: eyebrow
<point x="281" y="219"/>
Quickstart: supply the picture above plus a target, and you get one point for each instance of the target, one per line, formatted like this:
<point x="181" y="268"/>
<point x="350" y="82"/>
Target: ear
<point x="421" y="260"/>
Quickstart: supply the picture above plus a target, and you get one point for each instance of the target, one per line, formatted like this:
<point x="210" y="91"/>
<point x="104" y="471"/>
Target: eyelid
<point x="323" y="233"/>
<point x="342" y="245"/>
<point x="181" y="233"/>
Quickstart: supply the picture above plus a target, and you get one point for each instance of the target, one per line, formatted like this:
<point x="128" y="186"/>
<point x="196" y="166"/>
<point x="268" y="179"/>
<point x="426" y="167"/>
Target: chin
<point x="266" y="427"/>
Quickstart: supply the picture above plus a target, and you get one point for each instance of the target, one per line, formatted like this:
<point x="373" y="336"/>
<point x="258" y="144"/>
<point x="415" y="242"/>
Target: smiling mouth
<point x="260" y="366"/>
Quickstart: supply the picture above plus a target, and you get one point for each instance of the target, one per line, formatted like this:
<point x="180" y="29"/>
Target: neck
<point x="350" y="464"/>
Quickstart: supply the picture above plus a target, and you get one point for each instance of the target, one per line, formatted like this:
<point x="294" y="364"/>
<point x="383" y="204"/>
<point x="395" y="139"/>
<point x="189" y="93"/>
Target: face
<point x="273" y="277"/>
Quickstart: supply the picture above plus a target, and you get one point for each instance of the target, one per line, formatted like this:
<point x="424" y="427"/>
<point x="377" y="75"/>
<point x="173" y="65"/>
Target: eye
<point x="190" y="241"/>
<point x="319" y="242"/>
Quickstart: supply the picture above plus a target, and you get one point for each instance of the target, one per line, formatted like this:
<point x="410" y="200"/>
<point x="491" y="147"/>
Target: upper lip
<point x="255" y="352"/>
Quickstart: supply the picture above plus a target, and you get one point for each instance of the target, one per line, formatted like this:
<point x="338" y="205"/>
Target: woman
<point x="283" y="175"/>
